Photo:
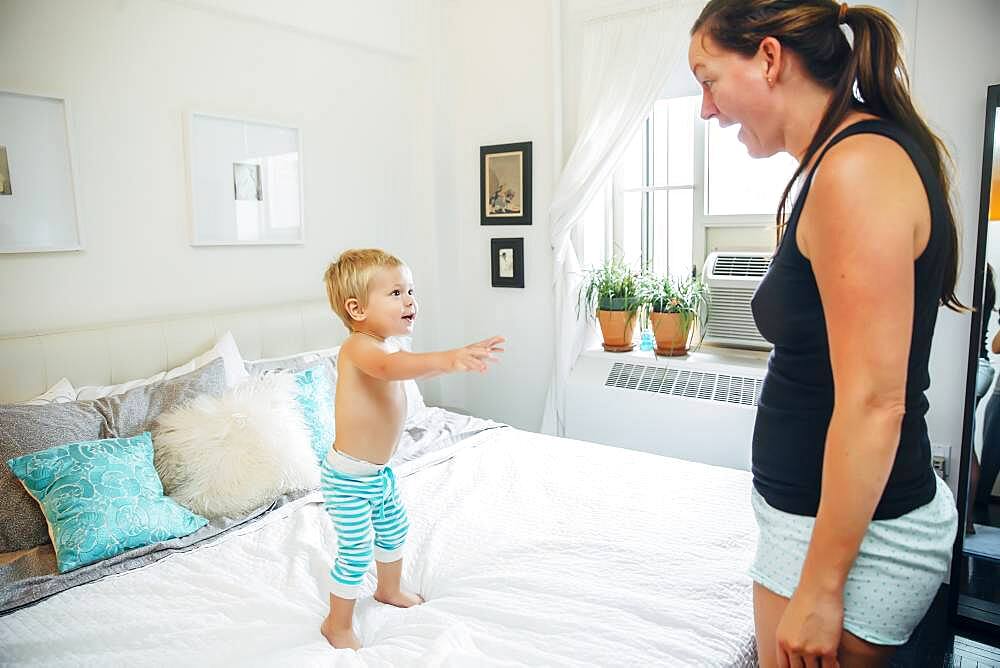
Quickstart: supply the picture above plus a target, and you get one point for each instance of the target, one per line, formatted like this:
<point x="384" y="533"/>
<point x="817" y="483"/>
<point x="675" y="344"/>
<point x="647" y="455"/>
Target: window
<point x="736" y="184"/>
<point x="684" y="187"/>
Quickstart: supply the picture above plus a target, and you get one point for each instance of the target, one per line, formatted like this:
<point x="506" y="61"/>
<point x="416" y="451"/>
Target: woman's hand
<point x="809" y="631"/>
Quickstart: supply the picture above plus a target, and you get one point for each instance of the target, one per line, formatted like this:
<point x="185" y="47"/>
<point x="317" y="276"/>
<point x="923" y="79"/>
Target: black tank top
<point x="796" y="401"/>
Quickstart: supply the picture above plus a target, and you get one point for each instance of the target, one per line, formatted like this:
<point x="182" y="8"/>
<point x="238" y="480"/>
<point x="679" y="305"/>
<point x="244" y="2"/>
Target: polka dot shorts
<point x="901" y="564"/>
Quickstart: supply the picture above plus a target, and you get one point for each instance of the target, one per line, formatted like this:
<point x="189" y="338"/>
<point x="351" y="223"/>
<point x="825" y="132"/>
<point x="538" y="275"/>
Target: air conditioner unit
<point x="698" y="408"/>
<point x="732" y="278"/>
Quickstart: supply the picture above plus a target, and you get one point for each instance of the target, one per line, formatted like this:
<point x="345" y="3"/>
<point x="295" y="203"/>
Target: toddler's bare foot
<point x="339" y="638"/>
<point x="400" y="599"/>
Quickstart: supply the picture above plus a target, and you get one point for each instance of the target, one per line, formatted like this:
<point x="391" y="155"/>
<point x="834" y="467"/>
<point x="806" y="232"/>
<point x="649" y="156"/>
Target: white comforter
<point x="530" y="550"/>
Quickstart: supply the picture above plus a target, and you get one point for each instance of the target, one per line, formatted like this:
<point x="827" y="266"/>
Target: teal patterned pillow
<point x="102" y="498"/>
<point x="315" y="398"/>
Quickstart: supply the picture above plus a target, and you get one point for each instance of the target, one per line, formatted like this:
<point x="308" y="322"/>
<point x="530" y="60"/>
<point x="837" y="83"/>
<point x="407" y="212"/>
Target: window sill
<point x="751" y="360"/>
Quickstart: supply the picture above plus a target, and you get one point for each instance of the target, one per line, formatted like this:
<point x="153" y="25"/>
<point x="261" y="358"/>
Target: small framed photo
<point x="246" y="181"/>
<point x="505" y="184"/>
<point x="507" y="262"/>
<point x="5" y="188"/>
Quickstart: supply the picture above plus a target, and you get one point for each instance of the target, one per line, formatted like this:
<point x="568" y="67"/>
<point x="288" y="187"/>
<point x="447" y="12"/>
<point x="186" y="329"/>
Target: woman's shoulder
<point x="866" y="162"/>
<point x="866" y="185"/>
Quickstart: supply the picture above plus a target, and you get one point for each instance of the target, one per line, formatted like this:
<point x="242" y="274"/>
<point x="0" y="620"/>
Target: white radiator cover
<point x="711" y="422"/>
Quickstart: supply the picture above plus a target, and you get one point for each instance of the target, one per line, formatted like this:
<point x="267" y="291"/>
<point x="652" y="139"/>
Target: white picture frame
<point x="39" y="208"/>
<point x="244" y="182"/>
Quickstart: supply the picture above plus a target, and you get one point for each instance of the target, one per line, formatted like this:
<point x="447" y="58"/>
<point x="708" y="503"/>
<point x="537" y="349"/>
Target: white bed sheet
<point x="530" y="550"/>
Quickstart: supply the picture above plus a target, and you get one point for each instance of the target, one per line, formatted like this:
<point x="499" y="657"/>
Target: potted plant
<point x="675" y="304"/>
<point x="612" y="292"/>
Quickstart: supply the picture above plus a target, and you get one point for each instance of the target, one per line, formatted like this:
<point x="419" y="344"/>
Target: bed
<point x="530" y="550"/>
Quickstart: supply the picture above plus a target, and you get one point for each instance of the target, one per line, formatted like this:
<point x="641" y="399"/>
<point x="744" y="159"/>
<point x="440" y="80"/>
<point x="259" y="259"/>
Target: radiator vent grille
<point x="741" y="265"/>
<point x="719" y="387"/>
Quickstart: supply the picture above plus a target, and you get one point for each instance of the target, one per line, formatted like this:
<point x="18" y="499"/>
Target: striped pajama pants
<point x="362" y="499"/>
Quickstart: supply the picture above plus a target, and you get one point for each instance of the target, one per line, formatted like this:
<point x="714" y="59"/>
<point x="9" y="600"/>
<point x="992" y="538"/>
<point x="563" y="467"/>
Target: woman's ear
<point x="770" y="55"/>
<point x="353" y="307"/>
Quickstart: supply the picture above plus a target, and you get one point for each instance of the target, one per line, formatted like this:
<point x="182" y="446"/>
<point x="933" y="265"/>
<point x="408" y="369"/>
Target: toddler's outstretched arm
<point x="372" y="359"/>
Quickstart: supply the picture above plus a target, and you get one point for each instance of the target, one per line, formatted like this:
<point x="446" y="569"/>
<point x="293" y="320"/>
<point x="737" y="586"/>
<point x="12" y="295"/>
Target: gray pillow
<point x="294" y="364"/>
<point x="133" y="412"/>
<point x="26" y="429"/>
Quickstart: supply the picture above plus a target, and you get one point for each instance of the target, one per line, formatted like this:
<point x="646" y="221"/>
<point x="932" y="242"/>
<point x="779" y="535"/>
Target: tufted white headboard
<point x="118" y="352"/>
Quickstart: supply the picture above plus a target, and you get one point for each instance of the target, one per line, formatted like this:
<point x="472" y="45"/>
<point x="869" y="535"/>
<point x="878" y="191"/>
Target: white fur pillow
<point x="223" y="457"/>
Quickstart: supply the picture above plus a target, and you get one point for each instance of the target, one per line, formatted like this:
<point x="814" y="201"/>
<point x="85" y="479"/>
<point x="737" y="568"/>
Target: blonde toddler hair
<point x="350" y="275"/>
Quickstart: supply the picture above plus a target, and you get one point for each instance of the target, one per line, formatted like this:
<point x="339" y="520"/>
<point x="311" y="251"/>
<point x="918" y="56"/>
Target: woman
<point x="856" y="530"/>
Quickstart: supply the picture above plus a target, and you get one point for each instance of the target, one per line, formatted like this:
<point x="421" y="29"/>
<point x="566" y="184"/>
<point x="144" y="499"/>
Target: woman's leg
<point x="768" y="608"/>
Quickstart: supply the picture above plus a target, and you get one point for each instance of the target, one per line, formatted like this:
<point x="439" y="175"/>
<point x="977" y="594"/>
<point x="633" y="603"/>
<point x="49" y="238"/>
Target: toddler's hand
<point x="474" y="357"/>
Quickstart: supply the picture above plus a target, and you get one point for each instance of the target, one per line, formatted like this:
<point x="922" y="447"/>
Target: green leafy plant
<point x="686" y="295"/>
<point x="613" y="286"/>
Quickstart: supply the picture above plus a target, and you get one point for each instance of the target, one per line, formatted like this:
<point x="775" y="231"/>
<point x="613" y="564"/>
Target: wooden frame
<point x="507" y="262"/>
<point x="505" y="184"/>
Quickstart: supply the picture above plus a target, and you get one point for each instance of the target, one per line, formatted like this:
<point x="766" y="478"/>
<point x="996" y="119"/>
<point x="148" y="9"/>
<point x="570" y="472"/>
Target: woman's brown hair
<point x="870" y="77"/>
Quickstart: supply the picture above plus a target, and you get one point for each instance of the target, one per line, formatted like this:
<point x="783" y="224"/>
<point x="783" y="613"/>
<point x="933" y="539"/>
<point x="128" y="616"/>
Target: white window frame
<point x="647" y="238"/>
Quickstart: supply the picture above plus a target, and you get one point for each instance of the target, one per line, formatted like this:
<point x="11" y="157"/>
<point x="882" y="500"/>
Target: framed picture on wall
<point x="507" y="262"/>
<point x="5" y="188"/>
<point x="246" y="182"/>
<point x="505" y="184"/>
<point x="38" y="202"/>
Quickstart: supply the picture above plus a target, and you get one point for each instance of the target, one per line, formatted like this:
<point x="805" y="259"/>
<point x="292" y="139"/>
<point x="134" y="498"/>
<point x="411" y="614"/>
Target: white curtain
<point x="626" y="62"/>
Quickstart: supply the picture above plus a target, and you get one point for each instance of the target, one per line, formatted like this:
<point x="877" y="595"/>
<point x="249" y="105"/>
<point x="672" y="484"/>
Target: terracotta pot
<point x="671" y="333"/>
<point x="617" y="328"/>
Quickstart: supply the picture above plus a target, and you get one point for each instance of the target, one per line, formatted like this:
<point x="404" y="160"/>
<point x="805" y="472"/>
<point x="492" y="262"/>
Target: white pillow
<point x="59" y="393"/>
<point x="223" y="457"/>
<point x="225" y="348"/>
<point x="232" y="360"/>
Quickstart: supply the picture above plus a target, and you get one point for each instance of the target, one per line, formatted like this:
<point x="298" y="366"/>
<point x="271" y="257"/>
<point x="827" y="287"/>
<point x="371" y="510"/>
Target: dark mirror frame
<point x="968" y="624"/>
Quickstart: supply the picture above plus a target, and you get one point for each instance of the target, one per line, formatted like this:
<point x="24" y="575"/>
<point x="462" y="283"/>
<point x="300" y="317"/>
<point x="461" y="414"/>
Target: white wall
<point x="351" y="75"/>
<point x="493" y="84"/>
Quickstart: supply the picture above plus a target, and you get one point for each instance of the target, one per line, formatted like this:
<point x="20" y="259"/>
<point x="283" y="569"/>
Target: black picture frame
<point x="510" y="272"/>
<point x="503" y="203"/>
